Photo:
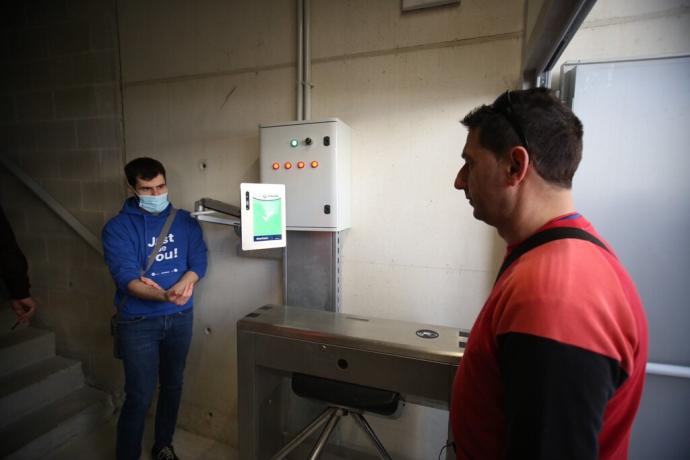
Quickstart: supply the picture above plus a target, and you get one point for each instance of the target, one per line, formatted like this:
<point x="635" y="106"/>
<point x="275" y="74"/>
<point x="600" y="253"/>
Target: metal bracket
<point x="219" y="212"/>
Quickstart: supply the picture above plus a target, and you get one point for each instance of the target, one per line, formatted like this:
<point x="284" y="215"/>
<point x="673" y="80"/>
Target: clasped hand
<point x="179" y="293"/>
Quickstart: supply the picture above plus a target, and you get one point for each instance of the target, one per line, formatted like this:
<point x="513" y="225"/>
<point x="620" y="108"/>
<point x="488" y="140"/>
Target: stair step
<point x="24" y="347"/>
<point x="42" y="431"/>
<point x="32" y="387"/>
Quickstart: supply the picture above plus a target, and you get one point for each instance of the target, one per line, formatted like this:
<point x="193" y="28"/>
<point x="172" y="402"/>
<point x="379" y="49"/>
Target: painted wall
<point x="198" y="79"/>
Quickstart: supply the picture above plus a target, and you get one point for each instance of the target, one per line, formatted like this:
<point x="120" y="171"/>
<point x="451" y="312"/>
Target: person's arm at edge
<point x="14" y="271"/>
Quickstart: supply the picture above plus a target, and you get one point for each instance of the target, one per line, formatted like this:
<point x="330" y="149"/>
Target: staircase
<point x="44" y="401"/>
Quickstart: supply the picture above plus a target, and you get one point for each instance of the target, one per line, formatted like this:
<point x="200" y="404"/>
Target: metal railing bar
<point x="669" y="370"/>
<point x="53" y="204"/>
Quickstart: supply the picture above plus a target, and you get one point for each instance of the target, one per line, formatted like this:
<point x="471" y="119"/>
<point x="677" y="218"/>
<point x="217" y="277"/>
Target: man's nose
<point x="460" y="182"/>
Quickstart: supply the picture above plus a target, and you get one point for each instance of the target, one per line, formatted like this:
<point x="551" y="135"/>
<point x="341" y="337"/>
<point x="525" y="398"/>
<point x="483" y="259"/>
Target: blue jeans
<point x="152" y="348"/>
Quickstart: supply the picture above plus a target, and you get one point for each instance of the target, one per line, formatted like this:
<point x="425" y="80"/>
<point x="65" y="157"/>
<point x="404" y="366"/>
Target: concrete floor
<point x="100" y="444"/>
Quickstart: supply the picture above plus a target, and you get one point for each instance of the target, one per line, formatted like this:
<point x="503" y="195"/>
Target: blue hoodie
<point x="128" y="239"/>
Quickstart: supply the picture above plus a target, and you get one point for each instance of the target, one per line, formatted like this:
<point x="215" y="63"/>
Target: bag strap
<point x="543" y="237"/>
<point x="159" y="240"/>
<point x="156" y="248"/>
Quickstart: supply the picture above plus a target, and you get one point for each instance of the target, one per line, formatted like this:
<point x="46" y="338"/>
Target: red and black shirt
<point x="554" y="366"/>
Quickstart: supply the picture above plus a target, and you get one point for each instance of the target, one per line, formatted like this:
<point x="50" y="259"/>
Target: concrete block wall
<point x="60" y="122"/>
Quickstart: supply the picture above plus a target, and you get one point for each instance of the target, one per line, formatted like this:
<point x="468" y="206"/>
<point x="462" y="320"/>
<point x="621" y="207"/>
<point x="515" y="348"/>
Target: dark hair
<point x="539" y="121"/>
<point x="143" y="168"/>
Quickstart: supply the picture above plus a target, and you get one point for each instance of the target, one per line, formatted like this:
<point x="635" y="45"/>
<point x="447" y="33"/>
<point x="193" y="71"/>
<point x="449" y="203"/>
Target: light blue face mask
<point x="153" y="203"/>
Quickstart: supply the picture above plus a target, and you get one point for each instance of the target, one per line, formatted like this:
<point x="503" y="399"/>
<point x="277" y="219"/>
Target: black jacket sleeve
<point x="13" y="266"/>
<point x="555" y="397"/>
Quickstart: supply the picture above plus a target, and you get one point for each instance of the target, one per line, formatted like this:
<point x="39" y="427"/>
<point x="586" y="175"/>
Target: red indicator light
<point x="288" y="165"/>
<point x="276" y="165"/>
<point x="314" y="164"/>
<point x="300" y="164"/>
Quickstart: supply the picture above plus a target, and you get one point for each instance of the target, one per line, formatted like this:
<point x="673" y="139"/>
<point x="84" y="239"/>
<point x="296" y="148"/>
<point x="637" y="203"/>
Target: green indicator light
<point x="294" y="142"/>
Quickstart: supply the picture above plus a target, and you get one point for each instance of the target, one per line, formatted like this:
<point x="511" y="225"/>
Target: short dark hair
<point x="535" y="117"/>
<point x="144" y="168"/>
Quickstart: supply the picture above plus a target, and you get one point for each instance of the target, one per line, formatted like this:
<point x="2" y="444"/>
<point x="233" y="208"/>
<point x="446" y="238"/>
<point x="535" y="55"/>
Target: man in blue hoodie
<point x="154" y="308"/>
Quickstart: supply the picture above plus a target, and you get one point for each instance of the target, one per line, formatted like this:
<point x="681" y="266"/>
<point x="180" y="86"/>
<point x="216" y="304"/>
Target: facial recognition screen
<point x="267" y="218"/>
<point x="263" y="216"/>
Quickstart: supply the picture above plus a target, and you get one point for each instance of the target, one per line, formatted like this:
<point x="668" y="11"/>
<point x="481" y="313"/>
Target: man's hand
<point x="24" y="309"/>
<point x="182" y="291"/>
<point x="179" y="293"/>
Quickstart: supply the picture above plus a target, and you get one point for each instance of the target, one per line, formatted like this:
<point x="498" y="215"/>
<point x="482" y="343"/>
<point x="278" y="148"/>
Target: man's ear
<point x="518" y="164"/>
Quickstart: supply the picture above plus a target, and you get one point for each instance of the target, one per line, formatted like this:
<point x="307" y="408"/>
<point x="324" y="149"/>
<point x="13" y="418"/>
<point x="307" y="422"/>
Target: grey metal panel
<point x="365" y="333"/>
<point x="633" y="185"/>
<point x="428" y="385"/>
<point x="661" y="428"/>
<point x="312" y="270"/>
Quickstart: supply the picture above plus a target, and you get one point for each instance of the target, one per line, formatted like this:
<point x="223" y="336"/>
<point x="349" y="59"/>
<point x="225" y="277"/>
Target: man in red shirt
<point x="554" y="365"/>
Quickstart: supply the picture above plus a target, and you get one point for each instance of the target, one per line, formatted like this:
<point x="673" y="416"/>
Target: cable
<point x="448" y="444"/>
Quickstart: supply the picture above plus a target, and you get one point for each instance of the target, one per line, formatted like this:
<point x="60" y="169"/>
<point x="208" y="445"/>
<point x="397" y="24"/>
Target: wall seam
<point x="342" y="57"/>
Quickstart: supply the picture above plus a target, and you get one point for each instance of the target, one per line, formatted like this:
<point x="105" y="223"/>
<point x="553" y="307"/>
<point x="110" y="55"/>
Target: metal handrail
<point x="668" y="370"/>
<point x="53" y="204"/>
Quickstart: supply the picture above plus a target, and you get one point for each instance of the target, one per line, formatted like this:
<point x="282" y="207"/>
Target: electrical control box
<point x="313" y="160"/>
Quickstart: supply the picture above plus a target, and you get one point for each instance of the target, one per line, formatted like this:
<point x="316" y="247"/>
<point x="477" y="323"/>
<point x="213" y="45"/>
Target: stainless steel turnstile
<point x="416" y="360"/>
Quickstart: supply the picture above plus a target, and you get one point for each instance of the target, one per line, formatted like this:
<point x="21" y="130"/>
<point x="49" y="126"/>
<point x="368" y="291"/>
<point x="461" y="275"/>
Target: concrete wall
<point x="60" y="118"/>
<point x="199" y="77"/>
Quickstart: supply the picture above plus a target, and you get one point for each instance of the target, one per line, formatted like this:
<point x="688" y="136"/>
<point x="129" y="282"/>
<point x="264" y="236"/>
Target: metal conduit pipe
<point x="300" y="60"/>
<point x="307" y="60"/>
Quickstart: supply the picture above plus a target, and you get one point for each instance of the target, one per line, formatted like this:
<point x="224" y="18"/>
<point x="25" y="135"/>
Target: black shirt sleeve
<point x="13" y="266"/>
<point x="555" y="397"/>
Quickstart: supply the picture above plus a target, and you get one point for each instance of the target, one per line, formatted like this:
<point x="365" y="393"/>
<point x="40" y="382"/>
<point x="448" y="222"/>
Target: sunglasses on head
<point x="504" y="106"/>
